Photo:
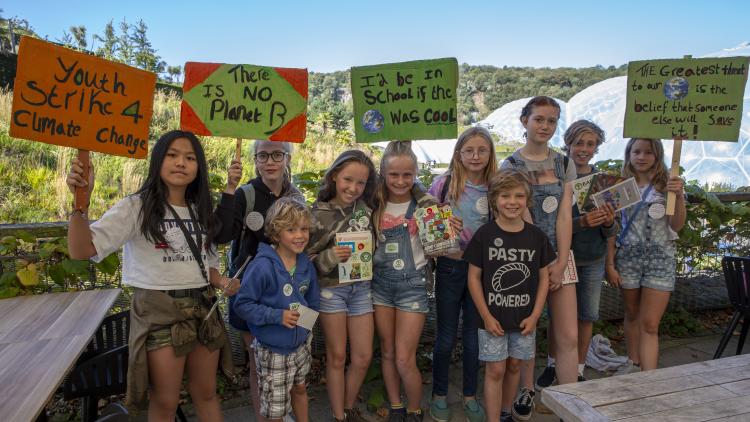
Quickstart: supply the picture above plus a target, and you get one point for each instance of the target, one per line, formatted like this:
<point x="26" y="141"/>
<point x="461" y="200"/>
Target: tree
<point x="174" y="73"/>
<point x="125" y="50"/>
<point x="109" y="41"/>
<point x="145" y="55"/>
<point x="79" y="36"/>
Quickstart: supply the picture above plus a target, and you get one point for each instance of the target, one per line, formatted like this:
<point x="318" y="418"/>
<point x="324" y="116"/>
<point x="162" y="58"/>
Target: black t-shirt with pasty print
<point x="510" y="264"/>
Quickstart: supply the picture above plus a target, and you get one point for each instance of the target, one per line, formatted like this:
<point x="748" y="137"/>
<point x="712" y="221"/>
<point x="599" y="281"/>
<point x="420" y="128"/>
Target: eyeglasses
<point x="276" y="156"/>
<point x="470" y="153"/>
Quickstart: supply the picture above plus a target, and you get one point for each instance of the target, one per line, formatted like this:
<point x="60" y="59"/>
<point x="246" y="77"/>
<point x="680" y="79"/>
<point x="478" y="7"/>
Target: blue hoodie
<point x="261" y="300"/>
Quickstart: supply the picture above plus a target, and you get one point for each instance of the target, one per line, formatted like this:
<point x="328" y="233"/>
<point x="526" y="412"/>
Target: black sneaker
<point x="397" y="415"/>
<point x="547" y="378"/>
<point x="414" y="416"/>
<point x="506" y="416"/>
<point x="581" y="378"/>
<point x="524" y="405"/>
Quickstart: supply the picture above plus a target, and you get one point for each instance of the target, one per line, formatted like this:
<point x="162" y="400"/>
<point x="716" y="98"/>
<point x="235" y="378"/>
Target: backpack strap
<point x="249" y="191"/>
<point x="444" y="190"/>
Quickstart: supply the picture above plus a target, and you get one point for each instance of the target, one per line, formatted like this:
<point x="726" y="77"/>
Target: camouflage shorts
<point x="162" y="336"/>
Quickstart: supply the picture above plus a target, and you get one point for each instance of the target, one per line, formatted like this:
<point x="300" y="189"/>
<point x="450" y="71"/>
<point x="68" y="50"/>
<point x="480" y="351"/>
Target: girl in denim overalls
<point x="642" y="261"/>
<point x="552" y="212"/>
<point x="400" y="269"/>
<point x="464" y="187"/>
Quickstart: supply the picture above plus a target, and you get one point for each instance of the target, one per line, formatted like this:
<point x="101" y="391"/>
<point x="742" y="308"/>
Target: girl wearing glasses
<point x="245" y="227"/>
<point x="464" y="187"/>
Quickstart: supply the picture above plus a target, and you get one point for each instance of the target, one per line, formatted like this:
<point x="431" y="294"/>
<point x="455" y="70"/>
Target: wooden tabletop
<point x="41" y="337"/>
<point x="711" y="390"/>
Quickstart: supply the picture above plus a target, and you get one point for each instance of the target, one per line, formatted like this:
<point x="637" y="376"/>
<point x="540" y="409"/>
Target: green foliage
<point x="27" y="264"/>
<point x="712" y="226"/>
<point x="679" y="323"/>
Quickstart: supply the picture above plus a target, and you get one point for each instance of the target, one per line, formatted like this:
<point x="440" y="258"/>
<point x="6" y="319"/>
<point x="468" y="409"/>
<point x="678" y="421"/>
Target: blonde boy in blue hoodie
<point x="278" y="280"/>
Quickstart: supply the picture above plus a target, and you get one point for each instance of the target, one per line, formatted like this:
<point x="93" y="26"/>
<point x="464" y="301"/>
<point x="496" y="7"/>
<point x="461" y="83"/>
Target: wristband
<point x="84" y="213"/>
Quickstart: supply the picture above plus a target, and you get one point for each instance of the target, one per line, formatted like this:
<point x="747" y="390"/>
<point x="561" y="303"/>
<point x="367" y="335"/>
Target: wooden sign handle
<point x="238" y="150"/>
<point x="82" y="193"/>
<point x="674" y="170"/>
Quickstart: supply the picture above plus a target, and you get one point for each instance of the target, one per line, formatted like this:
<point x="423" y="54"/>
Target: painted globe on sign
<point x="676" y="88"/>
<point x="373" y="121"/>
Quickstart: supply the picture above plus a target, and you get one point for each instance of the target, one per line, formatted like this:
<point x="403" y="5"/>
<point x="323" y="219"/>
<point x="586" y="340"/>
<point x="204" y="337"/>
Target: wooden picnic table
<point x="711" y="390"/>
<point x="41" y="337"/>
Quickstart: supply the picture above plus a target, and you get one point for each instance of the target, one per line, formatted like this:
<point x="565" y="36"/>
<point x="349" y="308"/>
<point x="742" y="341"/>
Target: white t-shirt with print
<point x="147" y="265"/>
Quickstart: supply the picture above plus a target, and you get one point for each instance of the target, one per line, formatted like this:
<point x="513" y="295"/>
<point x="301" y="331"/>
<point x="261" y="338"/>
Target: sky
<point x="325" y="36"/>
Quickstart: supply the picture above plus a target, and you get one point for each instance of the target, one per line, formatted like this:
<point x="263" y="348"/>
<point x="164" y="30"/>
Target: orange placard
<point x="72" y="99"/>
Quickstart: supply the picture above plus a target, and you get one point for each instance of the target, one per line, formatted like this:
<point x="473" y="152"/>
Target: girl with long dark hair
<point x="167" y="228"/>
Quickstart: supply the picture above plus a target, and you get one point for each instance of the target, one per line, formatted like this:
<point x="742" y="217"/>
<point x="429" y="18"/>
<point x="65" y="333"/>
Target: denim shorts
<point x="650" y="265"/>
<point x="354" y="299"/>
<point x="407" y="294"/>
<point x="588" y="290"/>
<point x="499" y="348"/>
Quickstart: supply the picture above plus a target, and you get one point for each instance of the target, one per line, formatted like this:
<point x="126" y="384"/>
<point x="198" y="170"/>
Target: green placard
<point x="405" y="101"/>
<point x="692" y="99"/>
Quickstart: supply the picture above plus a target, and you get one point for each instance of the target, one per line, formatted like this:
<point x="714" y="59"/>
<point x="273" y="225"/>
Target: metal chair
<point x="102" y="369"/>
<point x="737" y="278"/>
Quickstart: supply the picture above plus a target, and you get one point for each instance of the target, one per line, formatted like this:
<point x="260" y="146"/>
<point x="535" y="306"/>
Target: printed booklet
<point x="359" y="266"/>
<point x="435" y="232"/>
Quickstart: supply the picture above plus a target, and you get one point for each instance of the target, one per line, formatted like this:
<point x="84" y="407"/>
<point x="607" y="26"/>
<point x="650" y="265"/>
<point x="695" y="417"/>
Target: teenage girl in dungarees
<point x="552" y="197"/>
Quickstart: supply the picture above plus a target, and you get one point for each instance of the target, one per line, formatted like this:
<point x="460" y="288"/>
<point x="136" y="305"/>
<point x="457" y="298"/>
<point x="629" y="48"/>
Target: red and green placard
<point x="245" y="101"/>
<point x="691" y="99"/>
<point x="405" y="101"/>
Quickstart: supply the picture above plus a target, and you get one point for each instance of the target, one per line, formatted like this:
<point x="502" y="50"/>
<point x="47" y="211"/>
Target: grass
<point x="32" y="174"/>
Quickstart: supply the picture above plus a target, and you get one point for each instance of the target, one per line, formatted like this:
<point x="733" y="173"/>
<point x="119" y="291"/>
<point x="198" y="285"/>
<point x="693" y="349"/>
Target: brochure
<point x="307" y="316"/>
<point x="359" y="266"/>
<point x="570" y="275"/>
<point x="435" y="232"/>
<point x="585" y="187"/>
<point x="621" y="195"/>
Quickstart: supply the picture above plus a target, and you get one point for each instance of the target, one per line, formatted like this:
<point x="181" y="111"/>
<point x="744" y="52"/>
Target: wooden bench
<point x="711" y="390"/>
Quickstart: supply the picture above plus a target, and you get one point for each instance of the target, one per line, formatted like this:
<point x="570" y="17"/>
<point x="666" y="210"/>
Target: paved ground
<point x="673" y="352"/>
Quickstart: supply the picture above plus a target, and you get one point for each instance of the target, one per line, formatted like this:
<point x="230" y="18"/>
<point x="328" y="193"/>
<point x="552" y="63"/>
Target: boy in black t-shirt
<point x="508" y="281"/>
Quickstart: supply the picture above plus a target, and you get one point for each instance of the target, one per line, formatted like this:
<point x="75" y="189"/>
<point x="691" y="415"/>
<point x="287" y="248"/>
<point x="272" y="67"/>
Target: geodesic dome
<point x="505" y="122"/>
<point x="604" y="104"/>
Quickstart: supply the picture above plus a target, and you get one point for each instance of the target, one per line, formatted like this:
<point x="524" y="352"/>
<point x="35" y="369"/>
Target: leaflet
<point x="585" y="187"/>
<point x="621" y="195"/>
<point x="570" y="275"/>
<point x="435" y="232"/>
<point x="307" y="317"/>
<point x="359" y="266"/>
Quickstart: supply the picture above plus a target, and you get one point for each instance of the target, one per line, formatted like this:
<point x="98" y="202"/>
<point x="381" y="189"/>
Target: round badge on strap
<point x="481" y="205"/>
<point x="254" y="221"/>
<point x="549" y="204"/>
<point x="656" y="211"/>
<point x="398" y="264"/>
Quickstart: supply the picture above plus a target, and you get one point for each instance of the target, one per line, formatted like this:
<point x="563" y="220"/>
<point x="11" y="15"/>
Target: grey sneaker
<point x="524" y="405"/>
<point x="628" y="368"/>
<point x="473" y="411"/>
<point x="439" y="411"/>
